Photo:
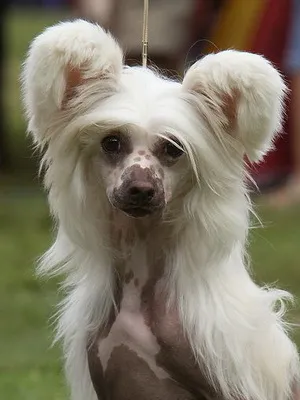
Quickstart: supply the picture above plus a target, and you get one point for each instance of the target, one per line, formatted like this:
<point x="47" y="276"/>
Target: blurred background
<point x="180" y="32"/>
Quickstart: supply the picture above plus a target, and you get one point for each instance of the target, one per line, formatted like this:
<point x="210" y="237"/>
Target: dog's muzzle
<point x="140" y="194"/>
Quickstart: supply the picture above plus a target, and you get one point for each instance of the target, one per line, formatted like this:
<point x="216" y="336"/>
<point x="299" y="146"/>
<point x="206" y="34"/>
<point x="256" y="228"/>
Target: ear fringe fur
<point x="78" y="44"/>
<point x="260" y="92"/>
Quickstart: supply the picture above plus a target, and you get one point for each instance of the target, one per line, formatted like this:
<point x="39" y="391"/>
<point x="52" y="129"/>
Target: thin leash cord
<point x="145" y="34"/>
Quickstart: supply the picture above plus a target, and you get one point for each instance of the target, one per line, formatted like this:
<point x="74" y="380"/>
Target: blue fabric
<point x="293" y="46"/>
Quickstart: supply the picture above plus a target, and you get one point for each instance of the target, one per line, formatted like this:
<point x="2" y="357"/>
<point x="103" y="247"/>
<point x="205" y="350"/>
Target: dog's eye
<point x="172" y="150"/>
<point x="111" y="144"/>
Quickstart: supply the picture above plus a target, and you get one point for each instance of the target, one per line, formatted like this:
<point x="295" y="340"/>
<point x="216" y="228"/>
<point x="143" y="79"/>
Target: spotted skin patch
<point x="137" y="381"/>
<point x="138" y="176"/>
<point x="143" y="352"/>
<point x="161" y="172"/>
<point x="128" y="276"/>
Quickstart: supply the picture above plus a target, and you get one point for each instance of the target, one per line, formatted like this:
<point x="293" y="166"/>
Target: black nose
<point x="141" y="194"/>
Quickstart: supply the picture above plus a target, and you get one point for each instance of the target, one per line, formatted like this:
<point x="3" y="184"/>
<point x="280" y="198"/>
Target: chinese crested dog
<point x="146" y="183"/>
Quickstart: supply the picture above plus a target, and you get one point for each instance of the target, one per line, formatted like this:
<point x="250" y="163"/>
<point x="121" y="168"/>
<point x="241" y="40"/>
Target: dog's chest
<point x="131" y="326"/>
<point x="143" y="352"/>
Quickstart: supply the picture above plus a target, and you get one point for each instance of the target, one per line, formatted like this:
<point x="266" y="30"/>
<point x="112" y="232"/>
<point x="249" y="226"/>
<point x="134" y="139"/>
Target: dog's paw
<point x="62" y="58"/>
<point x="245" y="94"/>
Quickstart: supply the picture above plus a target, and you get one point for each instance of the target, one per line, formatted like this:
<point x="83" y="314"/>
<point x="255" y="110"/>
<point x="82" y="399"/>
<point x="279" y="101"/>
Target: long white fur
<point x="235" y="328"/>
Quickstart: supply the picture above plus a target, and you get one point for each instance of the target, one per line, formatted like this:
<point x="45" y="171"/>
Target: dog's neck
<point x="138" y="245"/>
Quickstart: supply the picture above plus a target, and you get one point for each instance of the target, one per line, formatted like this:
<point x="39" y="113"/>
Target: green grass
<point x="21" y="27"/>
<point x="29" y="368"/>
<point x="274" y="250"/>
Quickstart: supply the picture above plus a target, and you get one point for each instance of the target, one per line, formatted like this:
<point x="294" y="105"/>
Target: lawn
<point x="30" y="368"/>
<point x="21" y="27"/>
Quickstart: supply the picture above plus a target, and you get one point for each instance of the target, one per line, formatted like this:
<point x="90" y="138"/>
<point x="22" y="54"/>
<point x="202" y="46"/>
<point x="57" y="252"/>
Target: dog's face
<point x="139" y="170"/>
<point x="138" y="158"/>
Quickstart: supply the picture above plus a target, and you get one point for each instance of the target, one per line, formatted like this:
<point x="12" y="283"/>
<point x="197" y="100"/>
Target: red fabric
<point x="270" y="40"/>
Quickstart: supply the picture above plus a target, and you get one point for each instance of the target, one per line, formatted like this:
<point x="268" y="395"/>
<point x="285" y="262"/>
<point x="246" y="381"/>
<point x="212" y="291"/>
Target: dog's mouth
<point x="138" y="212"/>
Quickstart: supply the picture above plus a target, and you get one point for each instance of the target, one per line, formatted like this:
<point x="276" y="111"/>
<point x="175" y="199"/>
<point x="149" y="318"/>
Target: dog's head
<point x="138" y="138"/>
<point x="140" y="159"/>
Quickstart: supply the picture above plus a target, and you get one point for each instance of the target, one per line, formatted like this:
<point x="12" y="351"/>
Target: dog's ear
<point x="243" y="94"/>
<point x="60" y="61"/>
